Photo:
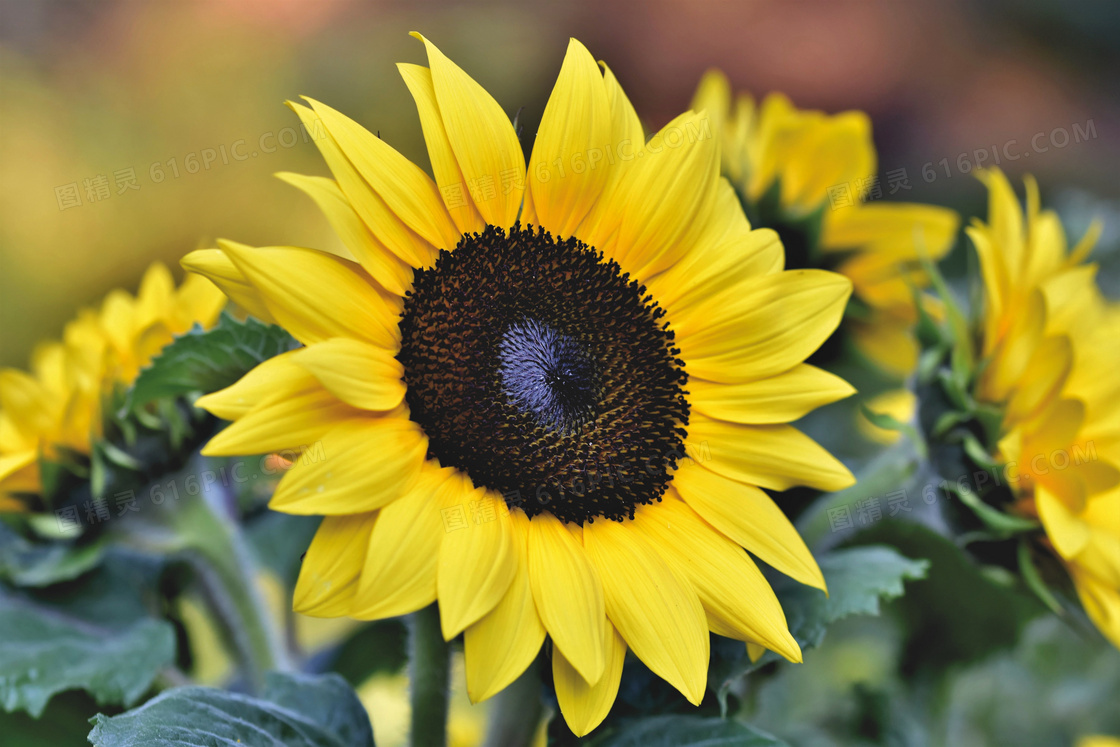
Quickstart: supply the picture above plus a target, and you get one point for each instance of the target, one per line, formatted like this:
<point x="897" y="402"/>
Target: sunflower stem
<point x="213" y="545"/>
<point x="515" y="712"/>
<point x="429" y="655"/>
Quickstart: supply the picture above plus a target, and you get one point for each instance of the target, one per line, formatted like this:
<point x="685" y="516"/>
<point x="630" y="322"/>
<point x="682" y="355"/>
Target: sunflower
<point x="1048" y="341"/>
<point x="548" y="396"/>
<point x="791" y="166"/>
<point x="56" y="407"/>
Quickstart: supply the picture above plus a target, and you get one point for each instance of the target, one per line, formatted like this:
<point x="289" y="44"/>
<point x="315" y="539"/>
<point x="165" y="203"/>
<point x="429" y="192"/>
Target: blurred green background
<point x="90" y="89"/>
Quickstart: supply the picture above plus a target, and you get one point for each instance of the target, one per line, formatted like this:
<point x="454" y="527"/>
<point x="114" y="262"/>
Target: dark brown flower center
<point x="544" y="373"/>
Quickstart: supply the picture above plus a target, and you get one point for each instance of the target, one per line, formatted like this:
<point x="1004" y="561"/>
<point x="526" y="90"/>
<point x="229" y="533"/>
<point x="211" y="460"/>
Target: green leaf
<point x="1033" y="579"/>
<point x="94" y="634"/>
<point x="295" y="710"/>
<point x="1057" y="685"/>
<point x="963" y="357"/>
<point x="206" y="361"/>
<point x="858" y="578"/>
<point x="889" y="422"/>
<point x="891" y="468"/>
<point x="376" y="648"/>
<point x="999" y="523"/>
<point x="65" y="722"/>
<point x="42" y="654"/>
<point x="24" y="562"/>
<point x="957" y="613"/>
<point x="683" y="731"/>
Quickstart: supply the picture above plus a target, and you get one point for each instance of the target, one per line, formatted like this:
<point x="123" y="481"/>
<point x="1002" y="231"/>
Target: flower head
<point x="1048" y="340"/>
<point x="547" y="395"/>
<point x="813" y="177"/>
<point x="56" y="407"/>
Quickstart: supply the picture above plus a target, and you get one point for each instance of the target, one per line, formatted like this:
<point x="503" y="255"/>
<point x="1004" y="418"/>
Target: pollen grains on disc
<point x="544" y="373"/>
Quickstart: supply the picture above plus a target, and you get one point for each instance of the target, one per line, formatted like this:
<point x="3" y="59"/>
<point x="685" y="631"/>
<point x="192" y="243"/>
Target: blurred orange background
<point x="90" y="90"/>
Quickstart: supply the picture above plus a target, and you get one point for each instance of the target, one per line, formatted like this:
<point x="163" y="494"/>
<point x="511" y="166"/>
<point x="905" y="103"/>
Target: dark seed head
<point x="543" y="372"/>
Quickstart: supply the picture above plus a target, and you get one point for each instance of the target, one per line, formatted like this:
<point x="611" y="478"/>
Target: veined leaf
<point x="206" y="361"/>
<point x="295" y="710"/>
<point x="858" y="579"/>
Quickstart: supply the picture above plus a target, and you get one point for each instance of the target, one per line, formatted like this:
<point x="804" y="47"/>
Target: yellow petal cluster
<point x="1050" y="343"/>
<point x="56" y="406"/>
<point x="825" y="164"/>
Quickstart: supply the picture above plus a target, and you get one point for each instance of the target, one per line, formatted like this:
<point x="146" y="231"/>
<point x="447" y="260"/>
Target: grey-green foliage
<point x="295" y="710"/>
<point x="93" y="634"/>
<point x="25" y="562"/>
<point x="206" y="361"/>
<point x="857" y="578"/>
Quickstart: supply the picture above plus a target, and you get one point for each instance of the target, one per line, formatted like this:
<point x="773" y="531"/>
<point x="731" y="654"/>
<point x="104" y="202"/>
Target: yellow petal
<point x="449" y="178"/>
<point x="902" y="230"/>
<point x="501" y="645"/>
<point x="1013" y="349"/>
<point x="297" y="421"/>
<point x="625" y="125"/>
<point x="662" y="202"/>
<point x="887" y="343"/>
<point x="405" y="188"/>
<point x="755" y="651"/>
<point x="900" y="404"/>
<point x="317" y="296"/>
<point x="567" y="169"/>
<point x="838" y="150"/>
<point x="778" y="457"/>
<point x="778" y="399"/>
<point x="361" y="464"/>
<point x="713" y="95"/>
<point x="1101" y="556"/>
<point x="768" y="326"/>
<point x="25" y="401"/>
<point x="10" y="464"/>
<point x="156" y="296"/>
<point x="1102" y="603"/>
<point x="1043" y="379"/>
<point x="118" y="320"/>
<point x="214" y="265"/>
<point x="374" y="211"/>
<point x="1005" y="219"/>
<point x="751" y="518"/>
<point x="198" y="300"/>
<point x="382" y="265"/>
<point x="720" y="260"/>
<point x="278" y="376"/>
<point x="654" y="608"/>
<point x="737" y="599"/>
<point x="585" y="706"/>
<point x="356" y="372"/>
<point x="569" y="595"/>
<point x="1066" y="530"/>
<point x="19" y="473"/>
<point x="476" y="562"/>
<point x="328" y="578"/>
<point x="400" y="571"/>
<point x="482" y="137"/>
<point x="626" y="139"/>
